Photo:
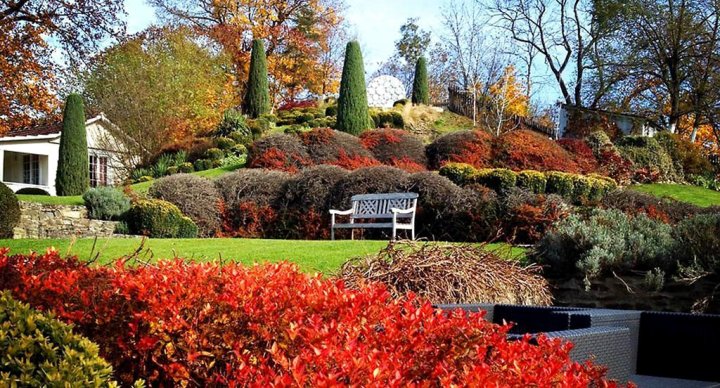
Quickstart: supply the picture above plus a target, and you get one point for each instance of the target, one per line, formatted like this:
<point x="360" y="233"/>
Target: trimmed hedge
<point x="327" y="146"/>
<point x="387" y="119"/>
<point x="279" y="152"/>
<point x="577" y="188"/>
<point x="37" y="350"/>
<point x="159" y="219"/>
<point x="9" y="211"/>
<point x="195" y="196"/>
<point x="529" y="150"/>
<point x="395" y="147"/>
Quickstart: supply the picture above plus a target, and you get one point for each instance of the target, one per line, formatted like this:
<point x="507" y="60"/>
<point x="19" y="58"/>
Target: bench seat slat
<point x="373" y="225"/>
<point x="369" y="216"/>
<point x="364" y="197"/>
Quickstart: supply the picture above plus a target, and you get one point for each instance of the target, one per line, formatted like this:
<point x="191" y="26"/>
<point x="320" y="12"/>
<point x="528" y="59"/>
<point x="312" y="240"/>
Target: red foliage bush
<point x="582" y="153"/>
<point x="529" y="216"/>
<point x="471" y="147"/>
<point x="278" y="152"/>
<point x="528" y="150"/>
<point x="178" y="323"/>
<point x="292" y="104"/>
<point x="395" y="147"/>
<point x="327" y="146"/>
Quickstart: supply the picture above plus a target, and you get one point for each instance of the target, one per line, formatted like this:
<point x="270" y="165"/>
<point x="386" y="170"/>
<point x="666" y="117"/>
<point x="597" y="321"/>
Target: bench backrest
<point x="379" y="205"/>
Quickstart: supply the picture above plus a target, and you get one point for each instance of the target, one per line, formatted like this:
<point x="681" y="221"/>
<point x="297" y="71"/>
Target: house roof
<point x="36" y="130"/>
<point x="42" y="131"/>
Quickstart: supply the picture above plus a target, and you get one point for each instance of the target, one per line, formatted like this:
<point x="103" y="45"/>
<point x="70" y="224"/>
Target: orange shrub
<point x="471" y="147"/>
<point x="528" y="150"/>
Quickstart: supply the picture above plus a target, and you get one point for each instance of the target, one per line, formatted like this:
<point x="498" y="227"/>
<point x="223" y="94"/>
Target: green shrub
<point x="195" y="196"/>
<point x="698" y="241"/>
<point x="387" y="119"/>
<point x="173" y="170"/>
<point x="352" y="115"/>
<point x="37" y="350"/>
<point x="145" y="178"/>
<point x="499" y="179"/>
<point x="106" y="203"/>
<point x="605" y="241"/>
<point x="159" y="219"/>
<point x="238" y="150"/>
<point x="560" y="183"/>
<point x="686" y="155"/>
<point x="531" y="180"/>
<point x="9" y="211"/>
<point x="215" y="154"/>
<point x="600" y="187"/>
<point x="225" y="143"/>
<point x="400" y="103"/>
<point x="582" y="187"/>
<point x="186" y="168"/>
<point x="73" y="176"/>
<point x="233" y="124"/>
<point x="270" y="117"/>
<point x="458" y="173"/>
<point x="258" y="127"/>
<point x="331" y="110"/>
<point x="647" y="154"/>
<point x="257" y="95"/>
<point x="139" y="172"/>
<point x="202" y="164"/>
<point x="160" y="168"/>
<point x="420" y="89"/>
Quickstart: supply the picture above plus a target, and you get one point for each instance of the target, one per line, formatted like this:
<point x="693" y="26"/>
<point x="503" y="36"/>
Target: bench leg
<point x="412" y="233"/>
<point x="332" y="233"/>
<point x="352" y="234"/>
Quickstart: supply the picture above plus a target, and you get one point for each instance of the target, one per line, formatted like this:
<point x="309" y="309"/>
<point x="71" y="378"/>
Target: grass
<point x="48" y="200"/>
<point x="311" y="256"/>
<point x="691" y="194"/>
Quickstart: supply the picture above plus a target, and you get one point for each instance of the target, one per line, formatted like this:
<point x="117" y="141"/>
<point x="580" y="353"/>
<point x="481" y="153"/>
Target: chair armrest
<point x="341" y="212"/>
<point x="402" y="211"/>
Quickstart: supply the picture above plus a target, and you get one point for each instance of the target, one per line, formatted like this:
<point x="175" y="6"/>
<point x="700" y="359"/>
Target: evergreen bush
<point x="257" y="96"/>
<point x="9" y="211"/>
<point x="352" y="112"/>
<point x="159" y="219"/>
<point x="73" y="174"/>
<point x="106" y="203"/>
<point x="420" y="91"/>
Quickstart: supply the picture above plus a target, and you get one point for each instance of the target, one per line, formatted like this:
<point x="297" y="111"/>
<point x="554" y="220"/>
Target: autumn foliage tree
<point x="27" y="74"/>
<point x="161" y="87"/>
<point x="299" y="37"/>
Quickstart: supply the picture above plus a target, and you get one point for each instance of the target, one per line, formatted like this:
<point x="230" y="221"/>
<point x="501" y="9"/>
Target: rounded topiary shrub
<point x="279" y="152"/>
<point x="106" y="203"/>
<point x="251" y="198"/>
<point x="195" y="196"/>
<point x="37" y="350"/>
<point x="498" y="179"/>
<point x="471" y="147"/>
<point x="159" y="219"/>
<point x="529" y="150"/>
<point x="449" y="212"/>
<point x="306" y="201"/>
<point x="9" y="211"/>
<point x="531" y="180"/>
<point x="327" y="146"/>
<point x="396" y="147"/>
<point x="370" y="180"/>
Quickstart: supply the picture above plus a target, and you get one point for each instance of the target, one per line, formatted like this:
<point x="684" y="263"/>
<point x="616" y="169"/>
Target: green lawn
<point x="311" y="256"/>
<point x="692" y="194"/>
<point x="48" y="200"/>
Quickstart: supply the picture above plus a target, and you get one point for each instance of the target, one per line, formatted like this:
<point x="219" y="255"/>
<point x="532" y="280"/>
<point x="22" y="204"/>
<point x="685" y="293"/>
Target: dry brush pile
<point x="445" y="273"/>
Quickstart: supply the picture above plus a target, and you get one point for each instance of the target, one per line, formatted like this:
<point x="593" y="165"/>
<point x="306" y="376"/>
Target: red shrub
<point x="178" y="323"/>
<point x="278" y="152"/>
<point x="471" y="147"/>
<point x="248" y="220"/>
<point x="406" y="164"/>
<point x="582" y="153"/>
<point x="391" y="146"/>
<point x="327" y="146"/>
<point x="528" y="150"/>
<point x="528" y="216"/>
<point x="292" y="104"/>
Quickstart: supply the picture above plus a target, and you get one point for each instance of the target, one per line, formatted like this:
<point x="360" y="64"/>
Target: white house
<point x="29" y="156"/>
<point x="627" y="123"/>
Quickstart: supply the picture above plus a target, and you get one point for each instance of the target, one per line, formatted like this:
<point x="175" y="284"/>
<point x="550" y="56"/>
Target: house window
<point x="31" y="169"/>
<point x="98" y="171"/>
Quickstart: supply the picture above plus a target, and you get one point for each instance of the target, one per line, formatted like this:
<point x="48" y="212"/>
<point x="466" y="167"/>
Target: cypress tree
<point x="257" y="96"/>
<point x="73" y="176"/>
<point x="352" y="113"/>
<point x="420" y="91"/>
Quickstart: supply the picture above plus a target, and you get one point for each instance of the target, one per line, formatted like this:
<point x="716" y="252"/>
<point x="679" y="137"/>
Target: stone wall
<point x="59" y="221"/>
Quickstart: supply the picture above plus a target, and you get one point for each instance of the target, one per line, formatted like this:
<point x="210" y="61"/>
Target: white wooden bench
<point x="377" y="207"/>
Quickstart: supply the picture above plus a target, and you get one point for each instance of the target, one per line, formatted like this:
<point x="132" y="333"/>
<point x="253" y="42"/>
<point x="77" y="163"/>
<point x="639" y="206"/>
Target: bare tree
<point x="562" y="32"/>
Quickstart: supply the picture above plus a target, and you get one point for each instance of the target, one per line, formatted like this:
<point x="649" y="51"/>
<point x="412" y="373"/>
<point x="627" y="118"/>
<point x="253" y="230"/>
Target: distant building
<point x="29" y="156"/>
<point x="575" y="120"/>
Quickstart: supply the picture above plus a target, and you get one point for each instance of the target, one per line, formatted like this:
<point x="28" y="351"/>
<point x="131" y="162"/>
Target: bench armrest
<point x="341" y="212"/>
<point x="402" y="211"/>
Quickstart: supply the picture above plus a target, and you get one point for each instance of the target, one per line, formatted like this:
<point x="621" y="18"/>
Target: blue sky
<point x="375" y="22"/>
